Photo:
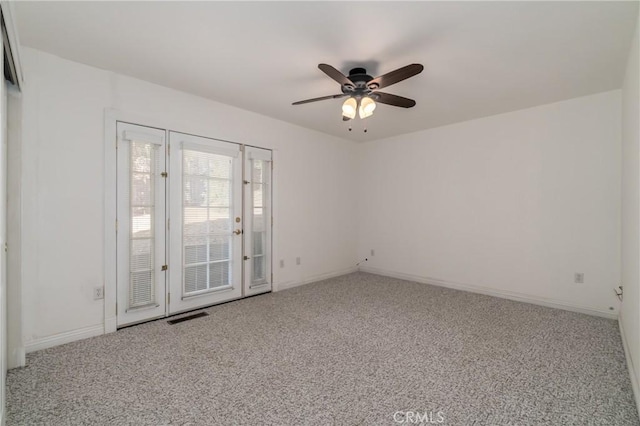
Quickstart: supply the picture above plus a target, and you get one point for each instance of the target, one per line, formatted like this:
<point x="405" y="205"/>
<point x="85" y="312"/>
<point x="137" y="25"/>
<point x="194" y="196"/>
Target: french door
<point x="206" y="211"/>
<point x="194" y="222"/>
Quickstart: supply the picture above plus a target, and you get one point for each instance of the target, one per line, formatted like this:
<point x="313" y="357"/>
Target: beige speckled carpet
<point x="355" y="350"/>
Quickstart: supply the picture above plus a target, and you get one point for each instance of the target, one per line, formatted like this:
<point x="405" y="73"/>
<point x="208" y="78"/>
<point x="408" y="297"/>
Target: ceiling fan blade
<point x="336" y="75"/>
<point x="344" y="118"/>
<point x="306" y="101"/>
<point x="395" y="100"/>
<point x="396" y="76"/>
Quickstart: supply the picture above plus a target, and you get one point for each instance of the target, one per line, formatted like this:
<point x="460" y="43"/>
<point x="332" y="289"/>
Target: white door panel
<point x="205" y="211"/>
<point x="257" y="217"/>
<point x="141" y="236"/>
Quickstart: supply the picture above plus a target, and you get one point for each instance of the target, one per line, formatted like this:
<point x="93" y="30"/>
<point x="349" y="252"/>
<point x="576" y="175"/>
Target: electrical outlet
<point x="282" y="263"/>
<point x="98" y="293"/>
<point x="579" y="278"/>
<point x="373" y="252"/>
<point x="297" y="260"/>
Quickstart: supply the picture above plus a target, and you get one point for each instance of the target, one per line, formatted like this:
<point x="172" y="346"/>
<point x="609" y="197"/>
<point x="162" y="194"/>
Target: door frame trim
<point x="111" y="117"/>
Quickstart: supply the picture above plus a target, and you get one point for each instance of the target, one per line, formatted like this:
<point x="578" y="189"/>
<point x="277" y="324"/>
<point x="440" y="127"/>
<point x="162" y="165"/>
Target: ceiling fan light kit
<point x="367" y="105"/>
<point x="362" y="90"/>
<point x="349" y="108"/>
<point x="364" y="106"/>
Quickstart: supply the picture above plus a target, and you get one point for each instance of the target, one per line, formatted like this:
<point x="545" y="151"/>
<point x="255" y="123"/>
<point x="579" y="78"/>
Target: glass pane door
<point x="206" y="207"/>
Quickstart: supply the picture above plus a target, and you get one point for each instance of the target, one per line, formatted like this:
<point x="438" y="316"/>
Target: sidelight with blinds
<point x="259" y="186"/>
<point x="258" y="219"/>
<point x="143" y="170"/>
<point x="141" y="235"/>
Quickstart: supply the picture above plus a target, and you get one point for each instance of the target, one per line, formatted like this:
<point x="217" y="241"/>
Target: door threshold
<point x="191" y="310"/>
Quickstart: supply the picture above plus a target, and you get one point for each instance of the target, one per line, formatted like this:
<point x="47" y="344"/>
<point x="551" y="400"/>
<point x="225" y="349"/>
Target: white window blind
<point x="207" y="203"/>
<point x="144" y="164"/>
<point x="260" y="176"/>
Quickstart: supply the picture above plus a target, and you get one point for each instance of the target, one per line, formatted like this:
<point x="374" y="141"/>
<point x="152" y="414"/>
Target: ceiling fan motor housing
<point x="360" y="78"/>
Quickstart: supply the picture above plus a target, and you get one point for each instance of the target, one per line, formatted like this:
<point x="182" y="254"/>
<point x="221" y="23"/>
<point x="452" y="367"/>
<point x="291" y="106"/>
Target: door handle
<point x="237" y="232"/>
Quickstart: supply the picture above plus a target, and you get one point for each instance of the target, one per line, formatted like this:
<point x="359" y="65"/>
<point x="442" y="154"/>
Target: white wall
<point x="62" y="178"/>
<point x="630" y="311"/>
<point x="15" y="346"/>
<point x="3" y="241"/>
<point x="512" y="204"/>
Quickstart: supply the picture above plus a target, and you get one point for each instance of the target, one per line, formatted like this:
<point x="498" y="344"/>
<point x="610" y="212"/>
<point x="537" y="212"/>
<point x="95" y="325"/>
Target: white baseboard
<point x="110" y="325"/>
<point x="16" y="358"/>
<point x="292" y="284"/>
<point x="62" y="338"/>
<point x="519" y="297"/>
<point x="632" y="371"/>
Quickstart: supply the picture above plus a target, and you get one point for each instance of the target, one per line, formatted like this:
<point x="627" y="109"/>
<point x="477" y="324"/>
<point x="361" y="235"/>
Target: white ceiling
<point x="480" y="58"/>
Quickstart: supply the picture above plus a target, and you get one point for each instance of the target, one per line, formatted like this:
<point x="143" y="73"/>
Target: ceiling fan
<point x="362" y="90"/>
